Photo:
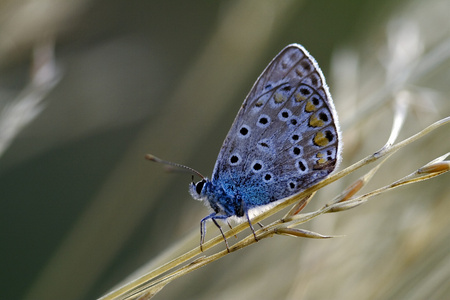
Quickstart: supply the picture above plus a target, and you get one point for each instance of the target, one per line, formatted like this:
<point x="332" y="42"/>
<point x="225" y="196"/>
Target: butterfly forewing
<point x="285" y="136"/>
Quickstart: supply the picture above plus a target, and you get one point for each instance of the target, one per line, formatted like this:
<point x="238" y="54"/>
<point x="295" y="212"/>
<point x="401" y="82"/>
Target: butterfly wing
<point x="285" y="136"/>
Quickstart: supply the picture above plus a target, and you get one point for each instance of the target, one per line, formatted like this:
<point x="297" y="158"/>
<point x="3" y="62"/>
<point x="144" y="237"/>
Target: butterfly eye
<point x="199" y="186"/>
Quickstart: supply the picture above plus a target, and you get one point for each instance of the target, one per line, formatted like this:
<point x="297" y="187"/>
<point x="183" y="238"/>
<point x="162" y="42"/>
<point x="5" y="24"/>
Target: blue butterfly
<point x="285" y="138"/>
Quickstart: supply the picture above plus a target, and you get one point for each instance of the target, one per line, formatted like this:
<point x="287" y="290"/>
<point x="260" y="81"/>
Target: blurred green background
<point x="81" y="209"/>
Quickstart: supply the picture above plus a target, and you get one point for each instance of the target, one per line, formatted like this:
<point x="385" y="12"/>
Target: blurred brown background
<point x="81" y="209"/>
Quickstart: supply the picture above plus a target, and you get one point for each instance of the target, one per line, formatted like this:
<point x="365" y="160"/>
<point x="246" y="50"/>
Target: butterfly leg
<point x="223" y="235"/>
<point x="251" y="226"/>
<point x="213" y="217"/>
<point x="203" y="229"/>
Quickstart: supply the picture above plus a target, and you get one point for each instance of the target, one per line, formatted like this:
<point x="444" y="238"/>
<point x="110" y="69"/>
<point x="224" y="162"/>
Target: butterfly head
<point x="197" y="189"/>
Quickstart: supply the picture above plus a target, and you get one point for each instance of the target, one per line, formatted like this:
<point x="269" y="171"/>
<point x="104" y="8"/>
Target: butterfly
<point x="284" y="139"/>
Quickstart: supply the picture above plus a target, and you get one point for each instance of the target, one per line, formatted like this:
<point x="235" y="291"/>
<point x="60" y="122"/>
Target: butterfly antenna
<point x="151" y="157"/>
